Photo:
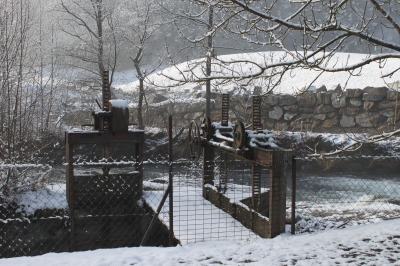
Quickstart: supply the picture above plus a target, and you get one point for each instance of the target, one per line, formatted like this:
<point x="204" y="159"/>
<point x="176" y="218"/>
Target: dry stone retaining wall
<point x="370" y="110"/>
<point x="351" y="110"/>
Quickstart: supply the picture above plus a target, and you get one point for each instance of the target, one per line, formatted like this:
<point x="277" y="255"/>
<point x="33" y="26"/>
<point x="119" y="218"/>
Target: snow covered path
<point x="374" y="244"/>
<point x="197" y="219"/>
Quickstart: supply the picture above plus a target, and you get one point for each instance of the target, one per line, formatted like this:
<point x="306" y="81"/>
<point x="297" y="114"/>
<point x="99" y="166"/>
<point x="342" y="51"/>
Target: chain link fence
<point x="33" y="211"/>
<point x="343" y="191"/>
<point x="202" y="214"/>
<point x="113" y="208"/>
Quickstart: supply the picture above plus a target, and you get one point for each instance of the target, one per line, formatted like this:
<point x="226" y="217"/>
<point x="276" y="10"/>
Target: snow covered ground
<point x="197" y="220"/>
<point x="373" y="244"/>
<point x="51" y="196"/>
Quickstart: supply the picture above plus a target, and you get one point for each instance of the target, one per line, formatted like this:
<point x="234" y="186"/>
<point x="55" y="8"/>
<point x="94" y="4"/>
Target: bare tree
<point x="140" y="31"/>
<point x="27" y="81"/>
<point x="14" y="45"/>
<point x="142" y="22"/>
<point x="93" y="47"/>
<point x="201" y="24"/>
<point x="308" y="33"/>
<point x="47" y="74"/>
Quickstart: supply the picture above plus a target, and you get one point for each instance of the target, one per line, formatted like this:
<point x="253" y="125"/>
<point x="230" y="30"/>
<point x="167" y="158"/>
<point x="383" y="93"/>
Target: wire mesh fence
<point x="107" y="210"/>
<point x="202" y="213"/>
<point x="33" y="211"/>
<point x="114" y="207"/>
<point x="339" y="192"/>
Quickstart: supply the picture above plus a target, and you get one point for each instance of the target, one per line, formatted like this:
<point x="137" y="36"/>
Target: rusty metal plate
<point x="136" y="136"/>
<point x="262" y="156"/>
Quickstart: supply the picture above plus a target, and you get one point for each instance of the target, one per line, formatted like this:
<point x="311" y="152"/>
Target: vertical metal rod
<point x="208" y="168"/>
<point x="223" y="176"/>
<point x="139" y="164"/>
<point x="293" y="218"/>
<point x="170" y="184"/>
<point x="255" y="185"/>
<point x="71" y="179"/>
<point x="147" y="234"/>
<point x="106" y="98"/>
<point x="395" y="108"/>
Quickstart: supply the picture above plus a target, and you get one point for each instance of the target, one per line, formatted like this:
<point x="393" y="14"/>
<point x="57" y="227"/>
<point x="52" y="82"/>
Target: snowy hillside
<point x="292" y="82"/>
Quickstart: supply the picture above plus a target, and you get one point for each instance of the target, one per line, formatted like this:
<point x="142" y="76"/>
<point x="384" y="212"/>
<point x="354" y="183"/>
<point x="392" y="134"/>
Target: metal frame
<point x="106" y="138"/>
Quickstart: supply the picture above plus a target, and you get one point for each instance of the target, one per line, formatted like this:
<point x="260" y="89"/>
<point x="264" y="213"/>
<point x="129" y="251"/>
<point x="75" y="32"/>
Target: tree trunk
<point x="208" y="64"/>
<point x="140" y="104"/>
<point x="99" y="21"/>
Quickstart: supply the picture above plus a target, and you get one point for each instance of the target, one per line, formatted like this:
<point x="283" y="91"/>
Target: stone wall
<point x="352" y="110"/>
<point x="334" y="111"/>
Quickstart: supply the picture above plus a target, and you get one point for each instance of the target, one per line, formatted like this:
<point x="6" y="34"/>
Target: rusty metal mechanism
<point x="225" y="110"/>
<point x="113" y="116"/>
<point x="254" y="145"/>
<point x="239" y="135"/>
<point x="207" y="128"/>
<point x="257" y="113"/>
<point x="194" y="140"/>
<point x="236" y="140"/>
<point x="232" y="138"/>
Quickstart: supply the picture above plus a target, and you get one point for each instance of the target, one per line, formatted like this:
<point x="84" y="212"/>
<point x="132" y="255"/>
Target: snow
<point x="373" y="244"/>
<point x="196" y="219"/>
<point x="261" y="139"/>
<point x="343" y="142"/>
<point x="51" y="196"/>
<point x="218" y="135"/>
<point x="119" y="103"/>
<point x="292" y="82"/>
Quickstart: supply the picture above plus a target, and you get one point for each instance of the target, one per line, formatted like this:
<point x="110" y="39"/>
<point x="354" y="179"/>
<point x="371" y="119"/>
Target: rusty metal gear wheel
<point x="239" y="135"/>
<point x="207" y="128"/>
<point x="194" y="141"/>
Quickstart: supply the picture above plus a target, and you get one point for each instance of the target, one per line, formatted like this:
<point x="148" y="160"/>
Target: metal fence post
<point x="70" y="187"/>
<point x="170" y="183"/>
<point x="293" y="220"/>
